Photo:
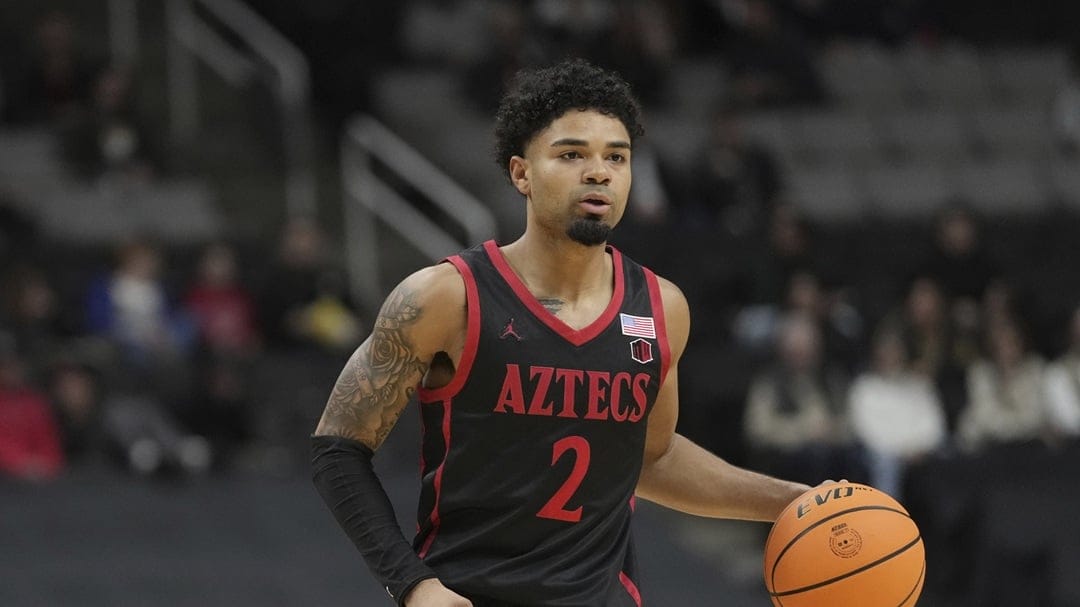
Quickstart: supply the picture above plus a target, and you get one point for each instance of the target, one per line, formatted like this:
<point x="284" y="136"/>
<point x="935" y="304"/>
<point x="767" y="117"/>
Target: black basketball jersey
<point x="532" y="453"/>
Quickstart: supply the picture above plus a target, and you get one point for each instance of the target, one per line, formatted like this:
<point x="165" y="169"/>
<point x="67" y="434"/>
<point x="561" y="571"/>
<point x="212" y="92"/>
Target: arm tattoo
<point x="379" y="378"/>
<point x="553" y="304"/>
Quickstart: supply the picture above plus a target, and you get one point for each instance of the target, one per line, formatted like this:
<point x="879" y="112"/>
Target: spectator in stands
<point x="637" y="38"/>
<point x="895" y="413"/>
<point x="150" y="439"/>
<point x="132" y="308"/>
<point x="221" y="306"/>
<point x="18" y="232"/>
<point x="304" y="302"/>
<point x="788" y="250"/>
<point x="101" y="426"/>
<point x="575" y="28"/>
<point x="642" y="46"/>
<point x="651" y="218"/>
<point x="1062" y="383"/>
<point x="1066" y="109"/>
<point x="839" y="322"/>
<point x="766" y="284"/>
<point x="224" y="312"/>
<point x="771" y="64"/>
<point x="960" y="264"/>
<point x="652" y="200"/>
<point x="31" y="308"/>
<point x="346" y="45"/>
<point x="76" y="394"/>
<point x="930" y="336"/>
<point x="510" y="46"/>
<point x="52" y="84"/>
<point x="736" y="181"/>
<point x="890" y="22"/>
<point x="110" y="139"/>
<point x="1005" y="393"/>
<point x="30" y="447"/>
<point x="794" y="423"/>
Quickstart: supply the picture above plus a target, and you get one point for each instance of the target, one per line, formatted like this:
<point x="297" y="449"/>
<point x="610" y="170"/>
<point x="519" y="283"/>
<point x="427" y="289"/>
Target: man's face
<point x="576" y="175"/>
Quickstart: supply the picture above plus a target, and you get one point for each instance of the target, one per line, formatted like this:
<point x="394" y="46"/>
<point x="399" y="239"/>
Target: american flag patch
<point x="638" y="326"/>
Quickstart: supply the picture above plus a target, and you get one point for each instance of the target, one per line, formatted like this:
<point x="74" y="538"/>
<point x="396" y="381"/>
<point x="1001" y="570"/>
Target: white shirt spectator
<point x="898" y="415"/>
<point x="1062" y="392"/>
<point x="1004" y="407"/>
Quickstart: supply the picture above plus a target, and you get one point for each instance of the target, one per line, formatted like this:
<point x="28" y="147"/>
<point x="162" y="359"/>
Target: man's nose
<point x="596" y="172"/>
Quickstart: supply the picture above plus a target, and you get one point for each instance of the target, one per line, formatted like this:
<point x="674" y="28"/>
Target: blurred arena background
<point x="872" y="205"/>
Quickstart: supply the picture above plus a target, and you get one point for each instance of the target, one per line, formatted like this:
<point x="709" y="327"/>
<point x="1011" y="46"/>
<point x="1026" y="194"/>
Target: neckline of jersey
<point x="577" y="337"/>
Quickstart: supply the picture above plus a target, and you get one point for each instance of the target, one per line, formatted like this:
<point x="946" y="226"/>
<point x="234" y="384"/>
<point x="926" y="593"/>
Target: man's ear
<point x="519" y="175"/>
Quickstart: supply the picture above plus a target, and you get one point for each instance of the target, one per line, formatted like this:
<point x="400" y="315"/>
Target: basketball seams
<point x="915" y="588"/>
<point x="857" y="571"/>
<point x="808" y="529"/>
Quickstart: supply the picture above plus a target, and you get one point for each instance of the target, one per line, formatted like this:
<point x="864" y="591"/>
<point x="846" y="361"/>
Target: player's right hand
<point x="431" y="593"/>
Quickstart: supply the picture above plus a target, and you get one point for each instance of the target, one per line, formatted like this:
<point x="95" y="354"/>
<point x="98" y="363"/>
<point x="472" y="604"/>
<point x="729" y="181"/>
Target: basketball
<point x="844" y="545"/>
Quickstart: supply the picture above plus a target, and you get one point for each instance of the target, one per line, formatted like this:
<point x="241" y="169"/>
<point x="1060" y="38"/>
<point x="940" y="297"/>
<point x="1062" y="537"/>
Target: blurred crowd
<point x="949" y="367"/>
<point x="146" y="356"/>
<point x="936" y="358"/>
<point x="154" y="359"/>
<point x="851" y="361"/>
<point x="51" y="76"/>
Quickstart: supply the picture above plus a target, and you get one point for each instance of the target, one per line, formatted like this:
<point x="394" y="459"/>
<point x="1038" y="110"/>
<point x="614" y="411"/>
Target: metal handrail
<point x="190" y="38"/>
<point x="364" y="139"/>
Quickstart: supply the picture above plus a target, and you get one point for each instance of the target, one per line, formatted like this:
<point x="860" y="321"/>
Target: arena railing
<point x="191" y="37"/>
<point x="368" y="198"/>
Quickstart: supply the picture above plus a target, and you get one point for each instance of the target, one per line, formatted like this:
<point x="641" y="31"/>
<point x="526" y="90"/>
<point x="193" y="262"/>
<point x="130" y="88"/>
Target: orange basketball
<point x="844" y="545"/>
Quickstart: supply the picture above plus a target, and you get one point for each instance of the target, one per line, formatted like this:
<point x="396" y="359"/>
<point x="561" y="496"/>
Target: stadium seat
<point x="695" y="86"/>
<point x="1028" y="76"/>
<point x="775" y="131"/>
<point x="910" y="191"/>
<point x="1004" y="187"/>
<point x="677" y="137"/>
<point x="173" y="211"/>
<point x="926" y="135"/>
<point x="865" y="76"/>
<point x="828" y="195"/>
<point x="29" y="164"/>
<point x="417" y="100"/>
<point x="837" y="137"/>
<point x="1015" y="130"/>
<point x="951" y="77"/>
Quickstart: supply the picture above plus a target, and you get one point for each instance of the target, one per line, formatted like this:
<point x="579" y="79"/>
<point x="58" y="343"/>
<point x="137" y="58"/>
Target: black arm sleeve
<point x="345" y="478"/>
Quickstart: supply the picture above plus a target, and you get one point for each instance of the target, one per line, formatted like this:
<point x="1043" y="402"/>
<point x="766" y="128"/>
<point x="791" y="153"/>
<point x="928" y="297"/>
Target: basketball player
<point x="547" y="375"/>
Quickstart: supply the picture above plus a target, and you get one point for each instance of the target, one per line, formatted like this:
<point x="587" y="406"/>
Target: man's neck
<point x="560" y="269"/>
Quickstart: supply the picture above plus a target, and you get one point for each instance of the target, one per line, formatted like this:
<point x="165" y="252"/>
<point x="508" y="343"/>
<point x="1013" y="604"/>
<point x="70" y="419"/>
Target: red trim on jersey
<point x="423" y="439"/>
<point x="472" y="337"/>
<point x="570" y="334"/>
<point x="435" y="520"/>
<point x="659" y="320"/>
<point x="633" y="503"/>
<point x="447" y="392"/>
<point x="631" y="588"/>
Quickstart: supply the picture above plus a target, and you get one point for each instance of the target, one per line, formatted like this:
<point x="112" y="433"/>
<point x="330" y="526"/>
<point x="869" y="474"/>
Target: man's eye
<point x="570" y="155"/>
<point x="617" y="158"/>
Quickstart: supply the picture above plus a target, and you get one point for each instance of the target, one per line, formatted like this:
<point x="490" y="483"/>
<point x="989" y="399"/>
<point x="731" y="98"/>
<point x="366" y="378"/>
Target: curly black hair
<point x="536" y="98"/>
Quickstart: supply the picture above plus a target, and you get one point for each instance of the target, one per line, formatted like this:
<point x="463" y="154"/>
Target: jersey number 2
<point x="555" y="508"/>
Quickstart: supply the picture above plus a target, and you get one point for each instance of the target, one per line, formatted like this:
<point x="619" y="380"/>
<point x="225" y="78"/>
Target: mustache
<point x="584" y="192"/>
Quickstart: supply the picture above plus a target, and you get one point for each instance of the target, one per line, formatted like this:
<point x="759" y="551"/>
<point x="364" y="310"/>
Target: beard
<point x="589" y="231"/>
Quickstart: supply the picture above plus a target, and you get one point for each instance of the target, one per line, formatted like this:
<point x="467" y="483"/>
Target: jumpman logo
<point x="508" y="331"/>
